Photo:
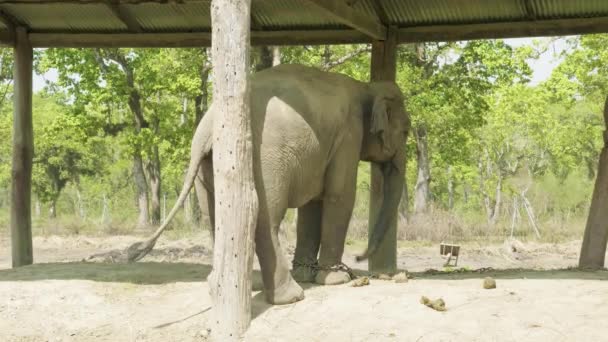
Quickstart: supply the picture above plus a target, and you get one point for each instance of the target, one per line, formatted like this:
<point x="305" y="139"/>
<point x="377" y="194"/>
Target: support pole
<point x="383" y="68"/>
<point x="23" y="152"/>
<point x="236" y="202"/>
<point x="593" y="250"/>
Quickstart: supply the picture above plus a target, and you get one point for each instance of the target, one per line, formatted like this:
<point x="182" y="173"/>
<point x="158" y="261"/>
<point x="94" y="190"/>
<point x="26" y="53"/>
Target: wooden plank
<point x="9" y="20"/>
<point x="593" y="249"/>
<point x="23" y="152"/>
<point x="309" y="37"/>
<point x="191" y="39"/>
<point x="135" y="40"/>
<point x="340" y="11"/>
<point x="236" y="202"/>
<point x="124" y="15"/>
<point x="383" y="68"/>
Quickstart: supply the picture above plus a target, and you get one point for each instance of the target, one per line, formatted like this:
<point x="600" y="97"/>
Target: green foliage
<point x="486" y="124"/>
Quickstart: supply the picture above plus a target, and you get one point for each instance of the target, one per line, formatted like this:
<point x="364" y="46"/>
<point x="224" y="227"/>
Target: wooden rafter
<point x="380" y="12"/>
<point x="340" y="11"/>
<point x="124" y="15"/>
<point x="529" y="8"/>
<point x="9" y="20"/>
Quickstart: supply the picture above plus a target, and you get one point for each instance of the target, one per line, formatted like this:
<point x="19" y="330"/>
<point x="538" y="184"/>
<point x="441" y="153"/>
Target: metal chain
<point x="334" y="268"/>
<point x="311" y="265"/>
<point x="339" y="267"/>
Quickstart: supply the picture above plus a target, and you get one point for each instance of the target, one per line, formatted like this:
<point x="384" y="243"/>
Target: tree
<point x="67" y="149"/>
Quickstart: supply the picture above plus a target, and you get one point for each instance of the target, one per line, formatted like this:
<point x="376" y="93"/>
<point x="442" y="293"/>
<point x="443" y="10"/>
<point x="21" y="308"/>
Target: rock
<point x="437" y="304"/>
<point x="384" y="276"/>
<point x="358" y="282"/>
<point x="489" y="283"/>
<point x="400" y="277"/>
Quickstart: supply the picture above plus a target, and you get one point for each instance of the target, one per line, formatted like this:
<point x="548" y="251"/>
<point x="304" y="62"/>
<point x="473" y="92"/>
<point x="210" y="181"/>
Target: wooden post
<point x="23" y="152"/>
<point x="593" y="250"/>
<point x="383" y="68"/>
<point x="236" y="202"/>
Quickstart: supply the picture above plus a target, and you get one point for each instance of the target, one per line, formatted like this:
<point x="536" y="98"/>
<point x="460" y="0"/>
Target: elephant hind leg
<point x="203" y="185"/>
<point x="279" y="286"/>
<point x="308" y="241"/>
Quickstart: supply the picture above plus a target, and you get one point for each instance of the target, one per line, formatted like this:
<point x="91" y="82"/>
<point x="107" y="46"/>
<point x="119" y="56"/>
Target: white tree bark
<point x="236" y="202"/>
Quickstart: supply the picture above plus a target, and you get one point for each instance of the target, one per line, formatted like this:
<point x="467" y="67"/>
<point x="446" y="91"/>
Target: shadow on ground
<point x="514" y="273"/>
<point x="136" y="273"/>
<point x="162" y="273"/>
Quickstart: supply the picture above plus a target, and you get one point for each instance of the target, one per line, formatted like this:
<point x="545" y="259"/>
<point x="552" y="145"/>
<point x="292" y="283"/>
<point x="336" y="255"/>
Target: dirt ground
<point x="165" y="297"/>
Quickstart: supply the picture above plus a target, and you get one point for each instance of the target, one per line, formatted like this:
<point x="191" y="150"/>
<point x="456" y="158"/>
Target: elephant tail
<point x="201" y="148"/>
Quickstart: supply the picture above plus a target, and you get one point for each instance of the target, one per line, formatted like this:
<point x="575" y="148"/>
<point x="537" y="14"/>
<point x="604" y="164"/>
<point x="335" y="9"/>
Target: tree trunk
<point x="53" y="209"/>
<point x="269" y="56"/>
<point x="155" y="185"/>
<point x="593" y="250"/>
<point x="450" y="189"/>
<point x="23" y="152"/>
<point x="140" y="123"/>
<point x="142" y="191"/>
<point x="236" y="204"/>
<point x="404" y="215"/>
<point x="105" y="211"/>
<point x="183" y="118"/>
<point x="276" y="55"/>
<point x="80" y="205"/>
<point x="37" y="208"/>
<point x="497" y="200"/>
<point x="482" y="190"/>
<point x="422" y="195"/>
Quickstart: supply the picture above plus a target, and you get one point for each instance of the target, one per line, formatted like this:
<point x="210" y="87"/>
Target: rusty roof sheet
<point x="193" y="16"/>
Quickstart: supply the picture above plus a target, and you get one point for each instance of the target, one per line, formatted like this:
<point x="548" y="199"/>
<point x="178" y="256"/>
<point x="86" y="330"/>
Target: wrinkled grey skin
<point x="310" y="130"/>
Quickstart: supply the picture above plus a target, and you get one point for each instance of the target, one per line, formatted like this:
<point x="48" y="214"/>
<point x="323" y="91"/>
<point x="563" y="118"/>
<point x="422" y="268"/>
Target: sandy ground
<point x="165" y="297"/>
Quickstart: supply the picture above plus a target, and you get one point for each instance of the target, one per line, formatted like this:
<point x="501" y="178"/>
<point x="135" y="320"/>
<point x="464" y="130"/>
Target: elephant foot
<point x="287" y="293"/>
<point x="335" y="275"/>
<point x="304" y="272"/>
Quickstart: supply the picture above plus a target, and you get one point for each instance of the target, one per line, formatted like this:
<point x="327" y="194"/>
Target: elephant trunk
<point x="393" y="179"/>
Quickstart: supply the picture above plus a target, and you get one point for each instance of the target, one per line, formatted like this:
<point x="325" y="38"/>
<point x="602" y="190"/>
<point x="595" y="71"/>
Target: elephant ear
<point x="379" y="121"/>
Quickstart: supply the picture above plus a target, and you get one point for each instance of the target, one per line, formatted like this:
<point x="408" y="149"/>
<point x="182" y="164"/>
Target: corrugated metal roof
<point x="65" y="17"/>
<point x="427" y="12"/>
<point x="193" y="15"/>
<point x="170" y="17"/>
<point x="290" y="14"/>
<point x="284" y="16"/>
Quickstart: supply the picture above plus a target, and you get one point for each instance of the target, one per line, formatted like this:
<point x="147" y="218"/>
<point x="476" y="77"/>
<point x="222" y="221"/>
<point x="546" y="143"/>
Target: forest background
<point x="491" y="154"/>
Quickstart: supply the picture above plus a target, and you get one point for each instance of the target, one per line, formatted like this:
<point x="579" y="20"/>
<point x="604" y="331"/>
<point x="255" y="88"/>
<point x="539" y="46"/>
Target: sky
<point x="542" y="67"/>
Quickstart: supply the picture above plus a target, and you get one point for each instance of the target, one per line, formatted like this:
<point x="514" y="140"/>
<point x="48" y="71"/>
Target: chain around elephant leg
<point x="304" y="272"/>
<point x="334" y="274"/>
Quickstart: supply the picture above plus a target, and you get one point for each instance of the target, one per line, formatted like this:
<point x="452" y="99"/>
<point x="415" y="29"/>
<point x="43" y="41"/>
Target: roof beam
<point x="340" y="11"/>
<point x="189" y="39"/>
<point x="380" y="12"/>
<point x="9" y="20"/>
<point x="124" y="15"/>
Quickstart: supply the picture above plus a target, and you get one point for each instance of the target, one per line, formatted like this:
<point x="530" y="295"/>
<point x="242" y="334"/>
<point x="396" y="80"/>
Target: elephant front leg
<point x="338" y="202"/>
<point x="307" y="244"/>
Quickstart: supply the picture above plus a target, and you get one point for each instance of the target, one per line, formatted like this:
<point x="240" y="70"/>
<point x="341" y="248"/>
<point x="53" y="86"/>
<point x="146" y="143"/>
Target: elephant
<point x="310" y="129"/>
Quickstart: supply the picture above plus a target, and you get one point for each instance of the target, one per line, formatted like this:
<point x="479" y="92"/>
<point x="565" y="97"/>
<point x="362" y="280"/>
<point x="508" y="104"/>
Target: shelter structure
<point x="28" y="24"/>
